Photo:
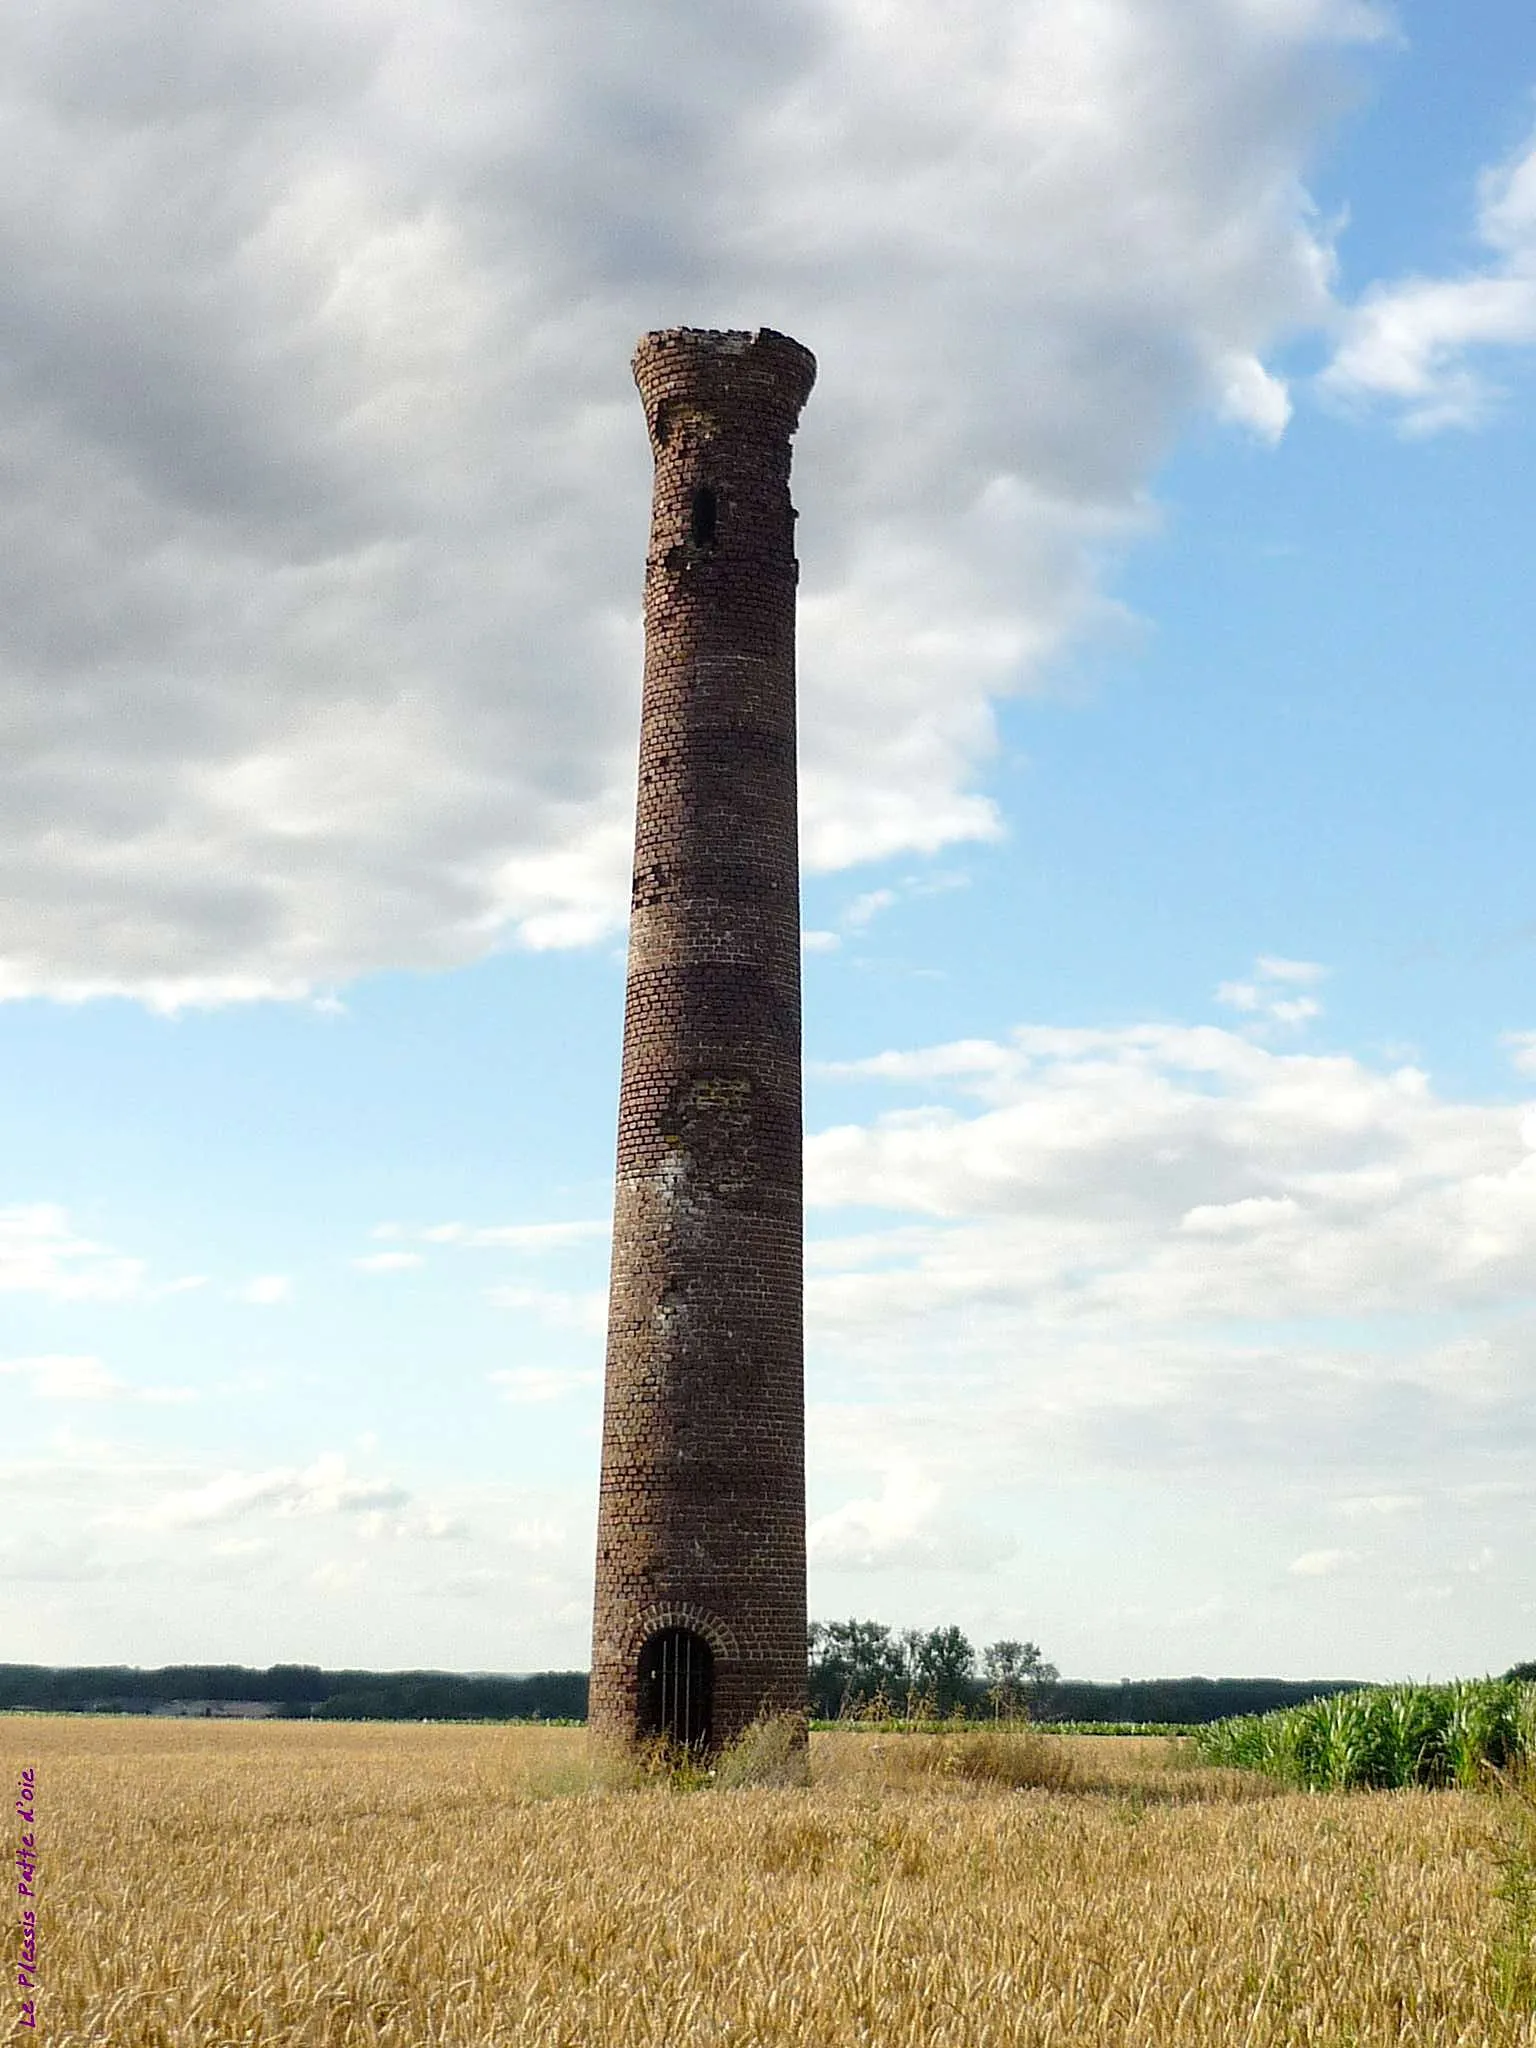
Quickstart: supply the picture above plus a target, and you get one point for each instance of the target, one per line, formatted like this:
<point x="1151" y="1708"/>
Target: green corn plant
<point x="1418" y="1717"/>
<point x="1385" y="1736"/>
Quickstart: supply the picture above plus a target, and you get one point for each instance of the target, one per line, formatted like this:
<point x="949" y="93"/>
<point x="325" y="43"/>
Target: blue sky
<point x="1166" y="742"/>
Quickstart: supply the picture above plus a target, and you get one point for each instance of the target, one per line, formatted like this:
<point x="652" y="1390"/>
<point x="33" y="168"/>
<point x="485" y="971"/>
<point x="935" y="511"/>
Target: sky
<point x="1166" y="743"/>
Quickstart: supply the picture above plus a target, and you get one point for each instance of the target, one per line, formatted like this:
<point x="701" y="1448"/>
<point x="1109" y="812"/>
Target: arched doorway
<point x="677" y="1687"/>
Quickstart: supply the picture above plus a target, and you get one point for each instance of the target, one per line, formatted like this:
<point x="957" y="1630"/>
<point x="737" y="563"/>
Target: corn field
<point x="1384" y="1736"/>
<point x="309" y="1885"/>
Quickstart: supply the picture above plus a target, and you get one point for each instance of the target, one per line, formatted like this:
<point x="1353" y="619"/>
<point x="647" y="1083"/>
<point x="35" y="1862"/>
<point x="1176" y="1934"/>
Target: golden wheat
<point x="290" y="1885"/>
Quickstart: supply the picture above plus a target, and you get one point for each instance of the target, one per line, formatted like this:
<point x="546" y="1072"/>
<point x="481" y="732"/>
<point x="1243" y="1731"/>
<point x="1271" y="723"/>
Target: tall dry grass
<point x="303" y="1886"/>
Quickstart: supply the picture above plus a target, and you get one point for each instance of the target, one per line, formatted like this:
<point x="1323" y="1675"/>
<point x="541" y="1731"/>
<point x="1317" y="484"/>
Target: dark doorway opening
<point x="677" y="1686"/>
<point x="704" y="519"/>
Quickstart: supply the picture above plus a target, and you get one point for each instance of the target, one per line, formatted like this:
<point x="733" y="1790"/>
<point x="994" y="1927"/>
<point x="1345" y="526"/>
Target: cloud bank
<point x="325" y="488"/>
<point x="1166" y="1247"/>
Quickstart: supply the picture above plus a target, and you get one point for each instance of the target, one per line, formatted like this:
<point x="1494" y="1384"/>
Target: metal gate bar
<point x="675" y="1677"/>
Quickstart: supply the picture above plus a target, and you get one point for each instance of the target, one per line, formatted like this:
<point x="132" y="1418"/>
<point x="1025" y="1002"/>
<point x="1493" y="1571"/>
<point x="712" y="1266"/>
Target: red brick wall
<point x="701" y="1519"/>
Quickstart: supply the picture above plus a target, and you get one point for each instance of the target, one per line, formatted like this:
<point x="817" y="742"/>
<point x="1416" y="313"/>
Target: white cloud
<point x="1179" y="1170"/>
<point x="64" y="1377"/>
<point x="316" y="484"/>
<point x="1321" y="1564"/>
<point x="1306" y="972"/>
<point x="890" y="1528"/>
<point x="1238" y="995"/>
<point x="864" y="909"/>
<point x="1263" y="996"/>
<point x="389" y="1262"/>
<point x="1413" y="344"/>
<point x="70" y="1559"/>
<point x="338" y="1575"/>
<point x="321" y="1488"/>
<point x="41" y="1254"/>
<point x="1295" y="1009"/>
<point x="435" y="1528"/>
<point x="267" y="1290"/>
<point x="529" y="1385"/>
<point x="190" y="1554"/>
<point x="964" y="1058"/>
<point x="585" y="1310"/>
<point x="1252" y="397"/>
<point x="530" y="1239"/>
<point x="522" y="1237"/>
<point x="914" y="1513"/>
<point x="1391" y="1504"/>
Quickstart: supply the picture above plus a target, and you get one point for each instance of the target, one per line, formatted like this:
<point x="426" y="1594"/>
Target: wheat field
<point x="303" y="1885"/>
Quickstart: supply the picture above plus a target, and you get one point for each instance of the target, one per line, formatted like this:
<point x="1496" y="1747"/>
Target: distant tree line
<point x="300" y="1691"/>
<point x="858" y="1667"/>
<point x="1190" y="1701"/>
<point x="853" y="1667"/>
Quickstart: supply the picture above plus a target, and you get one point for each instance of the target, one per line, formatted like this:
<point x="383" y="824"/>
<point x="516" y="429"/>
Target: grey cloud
<point x="321" y="1488"/>
<point x="1017" y="1409"/>
<point x="1291" y="1413"/>
<point x="325" y="491"/>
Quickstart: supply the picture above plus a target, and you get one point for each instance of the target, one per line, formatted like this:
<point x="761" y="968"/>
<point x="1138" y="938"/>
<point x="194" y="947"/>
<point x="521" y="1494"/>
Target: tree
<point x="852" y="1663"/>
<point x="941" y="1665"/>
<point x="1013" y="1672"/>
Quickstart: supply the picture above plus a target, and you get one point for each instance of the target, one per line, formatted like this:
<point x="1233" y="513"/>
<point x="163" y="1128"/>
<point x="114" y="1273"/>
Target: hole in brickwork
<point x="677" y="1688"/>
<point x="704" y="518"/>
<point x="712" y="1119"/>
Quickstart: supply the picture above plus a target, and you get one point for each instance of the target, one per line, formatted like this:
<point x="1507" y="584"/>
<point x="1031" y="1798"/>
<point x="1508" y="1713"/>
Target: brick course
<point x="701" y="1519"/>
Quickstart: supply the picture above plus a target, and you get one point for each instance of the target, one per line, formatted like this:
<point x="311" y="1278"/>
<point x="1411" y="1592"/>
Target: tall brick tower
<point x="700" y="1617"/>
